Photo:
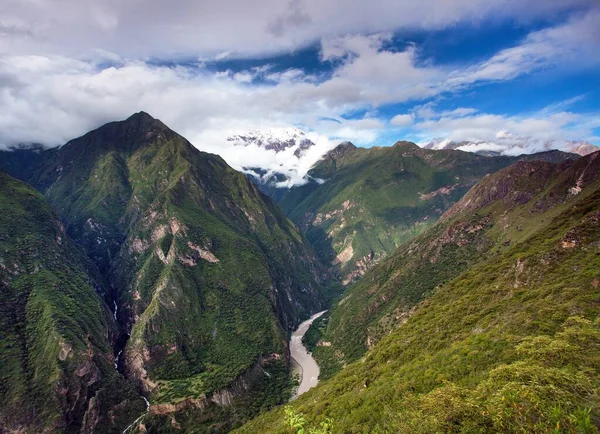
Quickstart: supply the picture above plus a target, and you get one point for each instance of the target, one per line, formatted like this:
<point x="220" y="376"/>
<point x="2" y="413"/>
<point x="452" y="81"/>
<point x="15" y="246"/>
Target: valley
<point x="149" y="287"/>
<point x="486" y="322"/>
<point x="299" y="217"/>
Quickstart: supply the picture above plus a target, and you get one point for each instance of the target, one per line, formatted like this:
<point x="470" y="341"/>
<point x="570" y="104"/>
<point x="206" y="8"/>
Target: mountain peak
<point x="275" y="139"/>
<point x="127" y="135"/>
<point x="141" y="115"/>
<point x="406" y="145"/>
<point x="342" y="149"/>
<point x="141" y="121"/>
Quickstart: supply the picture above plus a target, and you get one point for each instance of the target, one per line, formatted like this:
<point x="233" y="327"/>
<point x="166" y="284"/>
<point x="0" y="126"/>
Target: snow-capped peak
<point x="506" y="143"/>
<point x="277" y="139"/>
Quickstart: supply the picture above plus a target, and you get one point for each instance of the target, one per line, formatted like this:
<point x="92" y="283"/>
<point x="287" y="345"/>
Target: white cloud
<point x="138" y="28"/>
<point x="576" y="41"/>
<point x="49" y="98"/>
<point x="509" y="134"/>
<point x="402" y="120"/>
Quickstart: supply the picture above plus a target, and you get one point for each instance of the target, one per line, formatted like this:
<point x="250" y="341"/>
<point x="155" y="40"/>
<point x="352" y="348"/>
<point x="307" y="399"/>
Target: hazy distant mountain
<point x="506" y="145"/>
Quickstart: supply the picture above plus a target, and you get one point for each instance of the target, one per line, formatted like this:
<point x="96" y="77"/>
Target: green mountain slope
<point x="384" y="298"/>
<point x="373" y="200"/>
<point x="511" y="344"/>
<point x="206" y="274"/>
<point x="56" y="358"/>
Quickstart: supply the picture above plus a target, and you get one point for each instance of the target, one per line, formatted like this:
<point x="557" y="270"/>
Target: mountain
<point x="276" y="139"/>
<point x="487" y="322"/>
<point x="289" y="143"/>
<point x="205" y="274"/>
<point x="367" y="202"/>
<point x="56" y="332"/>
<point x="508" y="145"/>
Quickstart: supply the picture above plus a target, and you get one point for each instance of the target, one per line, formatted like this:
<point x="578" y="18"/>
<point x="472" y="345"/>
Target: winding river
<point x="304" y="362"/>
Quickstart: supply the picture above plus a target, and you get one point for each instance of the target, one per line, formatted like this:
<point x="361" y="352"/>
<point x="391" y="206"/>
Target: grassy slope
<point x="493" y="349"/>
<point x="384" y="298"/>
<point x="377" y="198"/>
<point x="54" y="351"/>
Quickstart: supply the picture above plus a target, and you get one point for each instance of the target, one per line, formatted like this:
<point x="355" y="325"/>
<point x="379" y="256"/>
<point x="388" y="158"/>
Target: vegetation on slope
<point x="207" y="275"/>
<point x="466" y="234"/>
<point x="510" y="345"/>
<point x="374" y="200"/>
<point x="56" y="362"/>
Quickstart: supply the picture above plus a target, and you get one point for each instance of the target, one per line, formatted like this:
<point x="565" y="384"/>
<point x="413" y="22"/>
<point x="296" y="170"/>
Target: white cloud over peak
<point x="508" y="134"/>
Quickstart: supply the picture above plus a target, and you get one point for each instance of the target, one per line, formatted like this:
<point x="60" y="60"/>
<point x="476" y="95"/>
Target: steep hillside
<point x="56" y="357"/>
<point x="373" y="200"/>
<point x="511" y="344"/>
<point x="205" y="273"/>
<point x="384" y="298"/>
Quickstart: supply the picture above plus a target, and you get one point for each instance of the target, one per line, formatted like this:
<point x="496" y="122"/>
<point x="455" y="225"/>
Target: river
<point x="309" y="370"/>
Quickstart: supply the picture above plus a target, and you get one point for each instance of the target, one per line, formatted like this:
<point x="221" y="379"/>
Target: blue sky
<point x="503" y="73"/>
<point x="558" y="87"/>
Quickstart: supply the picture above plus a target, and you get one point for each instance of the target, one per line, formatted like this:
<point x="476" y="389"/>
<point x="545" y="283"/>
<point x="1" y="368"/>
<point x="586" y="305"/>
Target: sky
<point x="502" y="72"/>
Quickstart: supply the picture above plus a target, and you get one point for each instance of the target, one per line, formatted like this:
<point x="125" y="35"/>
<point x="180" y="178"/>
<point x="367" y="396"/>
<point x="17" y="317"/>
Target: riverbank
<point x="302" y="360"/>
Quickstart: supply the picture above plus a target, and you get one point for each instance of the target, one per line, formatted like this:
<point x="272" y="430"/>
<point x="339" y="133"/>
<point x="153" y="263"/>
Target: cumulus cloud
<point x="402" y="120"/>
<point x="50" y="100"/>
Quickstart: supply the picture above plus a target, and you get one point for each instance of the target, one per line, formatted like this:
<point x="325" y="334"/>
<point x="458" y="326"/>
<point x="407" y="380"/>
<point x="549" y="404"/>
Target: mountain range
<point x="291" y="142"/>
<point x="146" y="286"/>
<point x="277" y="140"/>
<point x="506" y="144"/>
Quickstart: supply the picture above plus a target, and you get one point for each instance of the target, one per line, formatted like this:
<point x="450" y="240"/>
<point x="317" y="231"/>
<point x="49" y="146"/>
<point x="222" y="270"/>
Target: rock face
<point x="373" y="200"/>
<point x="205" y="273"/>
<point x="501" y="211"/>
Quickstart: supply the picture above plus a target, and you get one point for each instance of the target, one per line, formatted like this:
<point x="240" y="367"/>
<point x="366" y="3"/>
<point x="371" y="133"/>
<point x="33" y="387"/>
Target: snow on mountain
<point x="276" y="159"/>
<point x="276" y="139"/>
<point x="506" y="144"/>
